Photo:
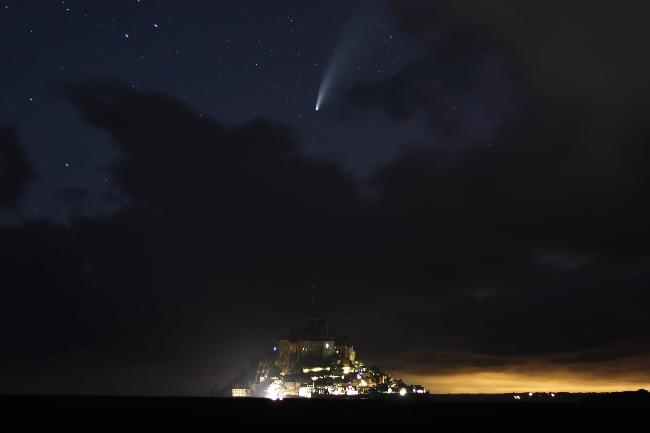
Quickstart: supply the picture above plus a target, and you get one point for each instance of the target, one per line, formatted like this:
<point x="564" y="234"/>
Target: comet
<point x="337" y="64"/>
<point x="352" y="42"/>
<point x="324" y="89"/>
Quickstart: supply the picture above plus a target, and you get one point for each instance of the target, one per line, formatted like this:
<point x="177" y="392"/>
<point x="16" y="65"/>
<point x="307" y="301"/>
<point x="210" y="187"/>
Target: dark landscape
<point x="576" y="412"/>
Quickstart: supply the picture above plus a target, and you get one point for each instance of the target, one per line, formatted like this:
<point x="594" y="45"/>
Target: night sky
<point x="471" y="200"/>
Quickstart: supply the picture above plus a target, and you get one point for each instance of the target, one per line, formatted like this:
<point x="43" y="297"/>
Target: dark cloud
<point x="491" y="61"/>
<point x="463" y="96"/>
<point x="519" y="246"/>
<point x="220" y="223"/>
<point x="15" y="170"/>
<point x="74" y="197"/>
<point x="510" y="237"/>
<point x="534" y="238"/>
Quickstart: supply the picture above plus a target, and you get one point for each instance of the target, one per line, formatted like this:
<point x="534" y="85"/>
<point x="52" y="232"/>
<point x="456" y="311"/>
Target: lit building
<point x="240" y="391"/>
<point x="315" y="341"/>
<point x="311" y="362"/>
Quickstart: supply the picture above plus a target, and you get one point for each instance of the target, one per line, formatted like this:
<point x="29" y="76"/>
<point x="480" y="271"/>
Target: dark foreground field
<point x="433" y="414"/>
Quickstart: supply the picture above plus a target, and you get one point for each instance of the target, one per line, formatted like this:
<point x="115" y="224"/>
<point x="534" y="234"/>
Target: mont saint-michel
<point x="314" y="361"/>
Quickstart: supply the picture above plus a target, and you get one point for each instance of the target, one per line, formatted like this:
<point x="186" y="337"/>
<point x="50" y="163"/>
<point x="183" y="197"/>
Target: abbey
<point x="313" y="361"/>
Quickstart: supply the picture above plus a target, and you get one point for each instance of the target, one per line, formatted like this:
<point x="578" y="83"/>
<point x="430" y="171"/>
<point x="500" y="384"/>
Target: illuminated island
<point x="312" y="361"/>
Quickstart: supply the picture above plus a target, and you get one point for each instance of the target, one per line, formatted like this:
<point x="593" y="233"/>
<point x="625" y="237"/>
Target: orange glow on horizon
<point x="496" y="382"/>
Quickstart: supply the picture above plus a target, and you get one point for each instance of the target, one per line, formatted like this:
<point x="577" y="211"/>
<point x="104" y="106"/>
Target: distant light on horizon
<point x="550" y="380"/>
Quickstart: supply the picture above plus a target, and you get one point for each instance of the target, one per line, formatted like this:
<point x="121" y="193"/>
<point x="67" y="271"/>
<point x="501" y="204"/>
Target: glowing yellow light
<point x="537" y="379"/>
<point x="305" y="392"/>
<point x="275" y="391"/>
